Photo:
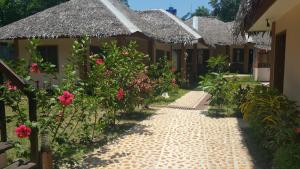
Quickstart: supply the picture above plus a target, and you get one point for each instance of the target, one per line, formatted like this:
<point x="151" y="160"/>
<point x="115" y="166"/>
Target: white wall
<point x="291" y="24"/>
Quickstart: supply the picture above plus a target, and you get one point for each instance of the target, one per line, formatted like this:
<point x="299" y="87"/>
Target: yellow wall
<point x="291" y="24"/>
<point x="64" y="51"/>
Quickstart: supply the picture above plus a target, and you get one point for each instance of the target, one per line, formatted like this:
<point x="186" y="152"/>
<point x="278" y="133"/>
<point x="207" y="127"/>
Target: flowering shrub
<point x="163" y="76"/>
<point x="94" y="89"/>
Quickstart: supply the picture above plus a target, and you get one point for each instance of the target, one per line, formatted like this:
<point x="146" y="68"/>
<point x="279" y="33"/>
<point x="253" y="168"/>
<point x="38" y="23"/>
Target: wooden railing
<point x="5" y="71"/>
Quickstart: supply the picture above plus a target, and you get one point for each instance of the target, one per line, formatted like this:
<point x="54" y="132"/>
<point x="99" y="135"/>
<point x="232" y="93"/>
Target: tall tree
<point x="201" y="11"/>
<point x="13" y="10"/>
<point x="225" y="10"/>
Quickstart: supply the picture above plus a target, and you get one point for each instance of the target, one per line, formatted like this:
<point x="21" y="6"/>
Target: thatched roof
<point x="98" y="18"/>
<point x="164" y="26"/>
<point x="216" y="32"/>
<point x="71" y="19"/>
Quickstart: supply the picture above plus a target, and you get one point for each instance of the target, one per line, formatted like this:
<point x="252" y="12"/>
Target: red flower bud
<point x="34" y="68"/>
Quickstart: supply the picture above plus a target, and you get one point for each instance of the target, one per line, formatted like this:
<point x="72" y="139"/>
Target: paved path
<point x="179" y="139"/>
<point x="190" y="100"/>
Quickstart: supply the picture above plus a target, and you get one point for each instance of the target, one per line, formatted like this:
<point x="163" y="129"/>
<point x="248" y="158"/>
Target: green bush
<point x="219" y="64"/>
<point x="272" y="116"/>
<point x="287" y="157"/>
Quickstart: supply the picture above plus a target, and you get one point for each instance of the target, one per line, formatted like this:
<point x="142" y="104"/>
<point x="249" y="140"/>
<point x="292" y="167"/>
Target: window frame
<point x="57" y="68"/>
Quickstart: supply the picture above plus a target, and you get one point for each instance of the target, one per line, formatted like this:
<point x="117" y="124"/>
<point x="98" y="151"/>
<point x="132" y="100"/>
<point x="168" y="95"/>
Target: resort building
<point x="281" y="18"/>
<point x="157" y="32"/>
<point x="247" y="55"/>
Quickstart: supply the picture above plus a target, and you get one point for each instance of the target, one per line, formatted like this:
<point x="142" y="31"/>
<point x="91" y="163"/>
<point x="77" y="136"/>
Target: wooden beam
<point x="14" y="78"/>
<point x="2" y="117"/>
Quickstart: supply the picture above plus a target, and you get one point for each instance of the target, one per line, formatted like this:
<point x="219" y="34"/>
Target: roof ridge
<point x="124" y="19"/>
<point x="182" y="24"/>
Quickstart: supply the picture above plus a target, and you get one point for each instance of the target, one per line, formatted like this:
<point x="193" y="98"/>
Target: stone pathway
<point x="177" y="139"/>
<point x="190" y="100"/>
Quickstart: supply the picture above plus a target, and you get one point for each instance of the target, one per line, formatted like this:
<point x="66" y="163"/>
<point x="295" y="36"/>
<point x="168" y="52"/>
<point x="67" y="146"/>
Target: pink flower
<point x="107" y="72"/>
<point x="66" y="99"/>
<point x="10" y="86"/>
<point x="99" y="61"/>
<point x="23" y="131"/>
<point x="125" y="53"/>
<point x="34" y="68"/>
<point x="120" y="94"/>
<point x="173" y="69"/>
<point x="174" y="81"/>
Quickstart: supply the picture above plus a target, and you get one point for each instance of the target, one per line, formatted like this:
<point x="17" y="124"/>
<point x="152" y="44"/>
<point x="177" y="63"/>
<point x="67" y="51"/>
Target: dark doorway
<point x="279" y="61"/>
<point x="250" y="63"/>
<point x="205" y="56"/>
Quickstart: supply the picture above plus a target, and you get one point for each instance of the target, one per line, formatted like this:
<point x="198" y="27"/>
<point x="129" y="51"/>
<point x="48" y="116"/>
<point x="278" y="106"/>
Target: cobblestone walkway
<point x="190" y="100"/>
<point x="180" y="139"/>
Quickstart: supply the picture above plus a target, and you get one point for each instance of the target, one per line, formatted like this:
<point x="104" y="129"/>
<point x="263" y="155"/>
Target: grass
<point x="174" y="95"/>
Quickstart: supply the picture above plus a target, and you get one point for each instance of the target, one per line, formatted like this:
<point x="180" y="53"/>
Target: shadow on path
<point x="125" y="128"/>
<point x="261" y="158"/>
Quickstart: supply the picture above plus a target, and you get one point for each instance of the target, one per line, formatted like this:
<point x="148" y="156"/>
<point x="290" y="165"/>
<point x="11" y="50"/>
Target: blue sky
<point x="182" y="6"/>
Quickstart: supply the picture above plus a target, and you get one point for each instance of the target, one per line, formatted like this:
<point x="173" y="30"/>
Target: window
<point x="49" y="54"/>
<point x="96" y="50"/>
<point x="6" y="51"/>
<point x="238" y="55"/>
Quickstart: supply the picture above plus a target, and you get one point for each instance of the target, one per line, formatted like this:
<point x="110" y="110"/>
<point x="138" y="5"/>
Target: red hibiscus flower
<point x="298" y="130"/>
<point x="10" y="86"/>
<point x="99" y="61"/>
<point x="120" y="94"/>
<point x="34" y="68"/>
<point x="173" y="70"/>
<point x="23" y="131"/>
<point x="66" y="99"/>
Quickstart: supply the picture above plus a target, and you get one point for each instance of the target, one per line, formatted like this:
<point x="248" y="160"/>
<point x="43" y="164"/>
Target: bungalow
<point x="245" y="54"/>
<point x="156" y="32"/>
<point x="281" y="17"/>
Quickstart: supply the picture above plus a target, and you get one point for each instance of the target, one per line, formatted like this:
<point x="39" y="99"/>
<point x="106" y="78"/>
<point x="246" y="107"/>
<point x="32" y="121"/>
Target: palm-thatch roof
<point x="164" y="26"/>
<point x="71" y="19"/>
<point x="98" y="18"/>
<point x="216" y="32"/>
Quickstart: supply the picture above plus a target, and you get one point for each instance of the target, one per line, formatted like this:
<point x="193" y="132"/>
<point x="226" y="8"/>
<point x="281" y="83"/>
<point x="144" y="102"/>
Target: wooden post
<point x="273" y="32"/>
<point x="34" y="156"/>
<point x="2" y="117"/>
<point x="246" y="59"/>
<point x="194" y="62"/>
<point x="183" y="60"/>
<point x="151" y="50"/>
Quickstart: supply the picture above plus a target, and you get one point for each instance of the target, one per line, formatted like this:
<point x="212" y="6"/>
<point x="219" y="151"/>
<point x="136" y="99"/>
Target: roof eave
<point x="256" y="14"/>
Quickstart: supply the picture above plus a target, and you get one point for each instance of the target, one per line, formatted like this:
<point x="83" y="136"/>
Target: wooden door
<point x="279" y="61"/>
